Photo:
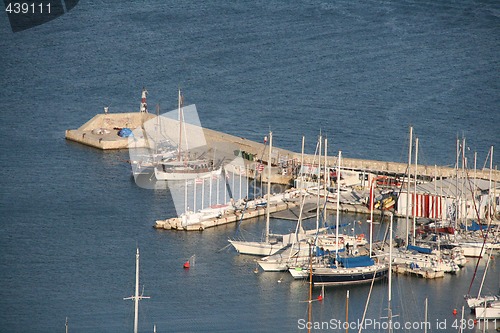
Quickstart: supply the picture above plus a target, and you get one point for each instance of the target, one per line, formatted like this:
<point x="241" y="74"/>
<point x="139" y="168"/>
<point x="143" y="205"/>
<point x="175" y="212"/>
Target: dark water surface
<point x="360" y="72"/>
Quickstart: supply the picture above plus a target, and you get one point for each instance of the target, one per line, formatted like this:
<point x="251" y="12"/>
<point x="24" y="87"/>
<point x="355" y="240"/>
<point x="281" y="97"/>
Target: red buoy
<point x="454" y="312"/>
<point x="186" y="264"/>
<point x="320" y="298"/>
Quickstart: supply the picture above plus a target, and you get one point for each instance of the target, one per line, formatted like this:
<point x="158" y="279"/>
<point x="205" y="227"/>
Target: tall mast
<point x="495" y="193"/>
<point x="415" y="194"/>
<point x="268" y="185"/>
<point x="462" y="189"/>
<point x="456" y="186"/>
<point x="338" y="206"/>
<point x="325" y="180"/>
<point x="180" y="125"/>
<point x="302" y="176"/>
<point x="408" y="184"/>
<point x="136" y="297"/>
<point x="302" y="164"/>
<point x="371" y="215"/>
<point x="319" y="183"/>
<point x="309" y="305"/>
<point x="475" y="170"/>
<point x="434" y="200"/>
<point x="389" y="296"/>
<point x="489" y="188"/>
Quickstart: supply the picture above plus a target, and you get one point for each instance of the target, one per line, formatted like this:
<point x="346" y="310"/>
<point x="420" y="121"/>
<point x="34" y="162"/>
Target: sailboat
<point x="485" y="307"/>
<point x="270" y="245"/>
<point x="297" y="254"/>
<point x="489" y="310"/>
<point x="341" y="267"/>
<point x="184" y="168"/>
<point x="136" y="298"/>
<point x="477" y="302"/>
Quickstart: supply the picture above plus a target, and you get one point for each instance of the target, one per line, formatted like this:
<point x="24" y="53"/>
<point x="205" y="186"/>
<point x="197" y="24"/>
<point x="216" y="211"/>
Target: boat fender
<point x="201" y="229"/>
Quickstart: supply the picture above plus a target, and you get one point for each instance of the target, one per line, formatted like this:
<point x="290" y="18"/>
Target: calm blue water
<point x="360" y="72"/>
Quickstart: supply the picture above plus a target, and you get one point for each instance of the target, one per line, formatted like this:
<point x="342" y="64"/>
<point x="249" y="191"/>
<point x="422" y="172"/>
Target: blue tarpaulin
<point x="360" y="261"/>
<point x="420" y="249"/>
<point x="474" y="226"/>
<point x="125" y="132"/>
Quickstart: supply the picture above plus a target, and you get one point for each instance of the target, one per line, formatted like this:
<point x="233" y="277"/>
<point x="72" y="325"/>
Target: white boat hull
<point x="177" y="176"/>
<point x="257" y="248"/>
<point x="298" y="273"/>
<point x="474" y="302"/>
<point x="474" y="249"/>
<point x="491" y="312"/>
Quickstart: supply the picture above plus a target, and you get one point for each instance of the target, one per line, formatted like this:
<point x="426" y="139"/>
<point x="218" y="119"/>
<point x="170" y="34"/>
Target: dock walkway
<point x="91" y="134"/>
<point x="229" y="217"/>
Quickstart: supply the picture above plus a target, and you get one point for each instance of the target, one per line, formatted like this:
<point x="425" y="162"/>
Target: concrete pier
<point x="92" y="134"/>
<point x="230" y="217"/>
<point x="102" y="130"/>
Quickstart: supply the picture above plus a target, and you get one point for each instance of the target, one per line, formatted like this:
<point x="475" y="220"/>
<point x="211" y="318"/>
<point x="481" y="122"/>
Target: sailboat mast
<point x="425" y="316"/>
<point x="136" y="297"/>
<point x="301" y="175"/>
<point x="475" y="170"/>
<point x="319" y="183"/>
<point x="495" y="194"/>
<point x="489" y="188"/>
<point x="325" y="180"/>
<point x="309" y="305"/>
<point x="457" y="204"/>
<point x="415" y="194"/>
<point x="302" y="164"/>
<point x="389" y="296"/>
<point x="484" y="274"/>
<point x="434" y="197"/>
<point x="347" y="311"/>
<point x="180" y="126"/>
<point x="338" y="206"/>
<point x="408" y="184"/>
<point x="462" y="190"/>
<point x="268" y="185"/>
<point x="371" y="216"/>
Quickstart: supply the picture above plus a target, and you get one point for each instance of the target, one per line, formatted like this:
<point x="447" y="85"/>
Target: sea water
<point x="361" y="73"/>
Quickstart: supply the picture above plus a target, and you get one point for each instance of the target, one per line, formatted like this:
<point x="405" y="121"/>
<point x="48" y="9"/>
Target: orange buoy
<point x="320" y="298"/>
<point x="454" y="312"/>
<point x="186" y="264"/>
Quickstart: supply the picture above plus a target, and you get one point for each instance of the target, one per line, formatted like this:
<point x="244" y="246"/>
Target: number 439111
<point x="27" y="8"/>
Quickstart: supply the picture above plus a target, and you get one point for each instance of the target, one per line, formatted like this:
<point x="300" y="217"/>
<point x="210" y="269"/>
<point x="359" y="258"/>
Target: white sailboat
<point x="136" y="298"/>
<point x="475" y="244"/>
<point x="489" y="310"/>
<point x="183" y="168"/>
<point x="479" y="301"/>
<point x="342" y="269"/>
<point x="270" y="245"/>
